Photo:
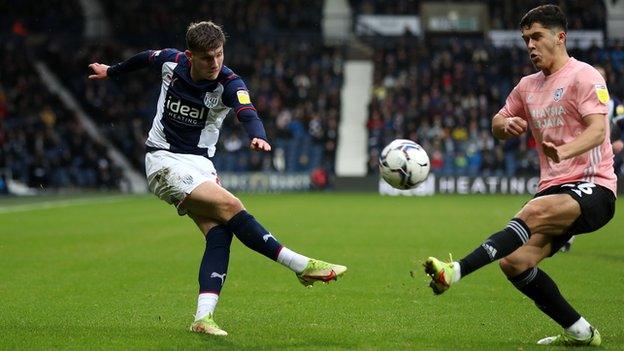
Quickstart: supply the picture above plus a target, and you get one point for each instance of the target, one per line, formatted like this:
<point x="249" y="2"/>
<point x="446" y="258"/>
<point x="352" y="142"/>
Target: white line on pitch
<point x="60" y="203"/>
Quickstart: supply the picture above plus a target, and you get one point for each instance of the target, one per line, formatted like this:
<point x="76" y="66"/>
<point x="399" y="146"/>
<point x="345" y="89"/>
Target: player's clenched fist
<point x="514" y="126"/>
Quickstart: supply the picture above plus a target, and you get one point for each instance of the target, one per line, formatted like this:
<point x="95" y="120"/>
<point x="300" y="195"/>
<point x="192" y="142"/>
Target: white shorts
<point x="172" y="176"/>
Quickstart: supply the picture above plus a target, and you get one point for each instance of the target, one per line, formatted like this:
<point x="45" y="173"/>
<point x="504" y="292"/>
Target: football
<point x="404" y="164"/>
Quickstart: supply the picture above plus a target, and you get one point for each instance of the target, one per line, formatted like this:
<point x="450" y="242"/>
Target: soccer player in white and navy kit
<point x="196" y="95"/>
<point x="565" y="105"/>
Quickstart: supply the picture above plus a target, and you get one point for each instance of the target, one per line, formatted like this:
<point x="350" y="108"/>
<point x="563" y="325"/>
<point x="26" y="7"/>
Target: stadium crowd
<point x="445" y="98"/>
<point x="294" y="79"/>
<point x="443" y="91"/>
<point x="440" y="91"/>
<point x="42" y="144"/>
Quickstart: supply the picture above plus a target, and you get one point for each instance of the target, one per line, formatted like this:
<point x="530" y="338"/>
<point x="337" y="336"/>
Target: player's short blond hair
<point x="204" y="36"/>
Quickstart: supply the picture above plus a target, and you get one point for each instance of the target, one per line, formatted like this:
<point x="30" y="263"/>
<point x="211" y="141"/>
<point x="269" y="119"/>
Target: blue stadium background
<point x="439" y="88"/>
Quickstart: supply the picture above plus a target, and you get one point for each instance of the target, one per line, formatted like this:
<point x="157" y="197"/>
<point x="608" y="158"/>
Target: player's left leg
<point x="521" y="269"/>
<point x="212" y="274"/>
<point x="307" y="270"/>
<point x="213" y="201"/>
<point x="550" y="214"/>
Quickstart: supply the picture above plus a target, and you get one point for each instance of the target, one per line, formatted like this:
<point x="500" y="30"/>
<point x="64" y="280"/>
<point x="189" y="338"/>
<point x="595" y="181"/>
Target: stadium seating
<point x="295" y="80"/>
<point x="42" y="144"/>
<point x="442" y="94"/>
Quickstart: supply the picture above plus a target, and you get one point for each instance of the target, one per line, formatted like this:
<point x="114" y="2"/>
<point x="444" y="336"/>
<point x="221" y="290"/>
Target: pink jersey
<point x="554" y="107"/>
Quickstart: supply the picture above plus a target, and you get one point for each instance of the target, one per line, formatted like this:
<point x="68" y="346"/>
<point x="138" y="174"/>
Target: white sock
<point x="296" y="262"/>
<point x="457" y="269"/>
<point x="206" y="303"/>
<point x="580" y="329"/>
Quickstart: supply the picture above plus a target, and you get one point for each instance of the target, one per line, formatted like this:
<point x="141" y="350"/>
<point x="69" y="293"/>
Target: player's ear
<point x="189" y="54"/>
<point x="561" y="37"/>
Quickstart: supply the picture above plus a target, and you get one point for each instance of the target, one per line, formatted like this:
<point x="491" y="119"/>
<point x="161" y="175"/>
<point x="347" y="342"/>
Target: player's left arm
<point x="592" y="136"/>
<point x="237" y="97"/>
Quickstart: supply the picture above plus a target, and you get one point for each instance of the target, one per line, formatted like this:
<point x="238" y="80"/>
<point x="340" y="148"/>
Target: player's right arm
<point x="508" y="127"/>
<point x="147" y="58"/>
<point x="508" y="122"/>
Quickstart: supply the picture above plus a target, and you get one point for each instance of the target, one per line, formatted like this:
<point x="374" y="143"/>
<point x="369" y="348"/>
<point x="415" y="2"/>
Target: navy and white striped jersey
<point x="189" y="114"/>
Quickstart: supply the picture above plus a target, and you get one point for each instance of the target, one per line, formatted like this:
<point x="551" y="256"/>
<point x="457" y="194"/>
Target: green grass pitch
<point x="120" y="273"/>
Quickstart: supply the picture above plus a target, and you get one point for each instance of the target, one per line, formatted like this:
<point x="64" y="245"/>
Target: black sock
<point x="537" y="285"/>
<point x="214" y="264"/>
<point x="253" y="235"/>
<point x="496" y="246"/>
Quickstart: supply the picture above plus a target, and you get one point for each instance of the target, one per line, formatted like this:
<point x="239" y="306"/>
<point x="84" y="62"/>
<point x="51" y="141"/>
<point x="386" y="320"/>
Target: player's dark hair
<point x="549" y="16"/>
<point x="204" y="36"/>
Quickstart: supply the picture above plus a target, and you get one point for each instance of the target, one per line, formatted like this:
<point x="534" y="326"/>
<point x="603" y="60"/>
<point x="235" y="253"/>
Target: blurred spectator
<point x="42" y="144"/>
<point x="440" y="92"/>
<point x="446" y="95"/>
<point x="293" y="78"/>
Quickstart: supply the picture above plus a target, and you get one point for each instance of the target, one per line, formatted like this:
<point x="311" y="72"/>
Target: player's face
<point x="542" y="44"/>
<point x="206" y="64"/>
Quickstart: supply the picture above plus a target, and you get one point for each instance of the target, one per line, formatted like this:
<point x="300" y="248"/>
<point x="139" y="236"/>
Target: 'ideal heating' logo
<point x="185" y="114"/>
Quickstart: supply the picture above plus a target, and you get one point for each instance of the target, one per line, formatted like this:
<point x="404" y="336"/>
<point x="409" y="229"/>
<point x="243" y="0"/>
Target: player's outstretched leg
<point x="319" y="271"/>
<point x="497" y="246"/>
<point x="443" y="274"/>
<point x="212" y="274"/>
<point x="569" y="339"/>
<point x="253" y="235"/>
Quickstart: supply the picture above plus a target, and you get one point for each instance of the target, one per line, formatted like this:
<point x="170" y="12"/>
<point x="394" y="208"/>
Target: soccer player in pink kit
<point x="565" y="105"/>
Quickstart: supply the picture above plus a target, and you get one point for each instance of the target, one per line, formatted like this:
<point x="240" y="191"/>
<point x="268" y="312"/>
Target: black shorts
<point x="597" y="208"/>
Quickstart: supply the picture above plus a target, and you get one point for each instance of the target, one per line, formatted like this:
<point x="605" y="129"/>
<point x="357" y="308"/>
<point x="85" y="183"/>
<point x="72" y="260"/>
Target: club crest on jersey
<point x="558" y="94"/>
<point x="211" y="99"/>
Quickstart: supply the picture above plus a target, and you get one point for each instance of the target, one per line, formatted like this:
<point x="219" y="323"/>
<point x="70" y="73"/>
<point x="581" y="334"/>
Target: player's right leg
<point x="172" y="177"/>
<point x="212" y="201"/>
<point x="212" y="274"/>
<point x="521" y="269"/>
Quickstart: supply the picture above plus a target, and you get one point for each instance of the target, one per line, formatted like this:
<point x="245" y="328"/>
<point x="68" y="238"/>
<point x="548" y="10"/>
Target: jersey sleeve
<point x="513" y="105"/>
<point x="153" y="58"/>
<point x="158" y="57"/>
<point x="236" y="96"/>
<point x="592" y="94"/>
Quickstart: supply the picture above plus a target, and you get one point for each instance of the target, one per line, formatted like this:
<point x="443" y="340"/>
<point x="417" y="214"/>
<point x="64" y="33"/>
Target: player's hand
<point x="551" y="151"/>
<point x="100" y="71"/>
<point x="514" y="126"/>
<point x="258" y="144"/>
